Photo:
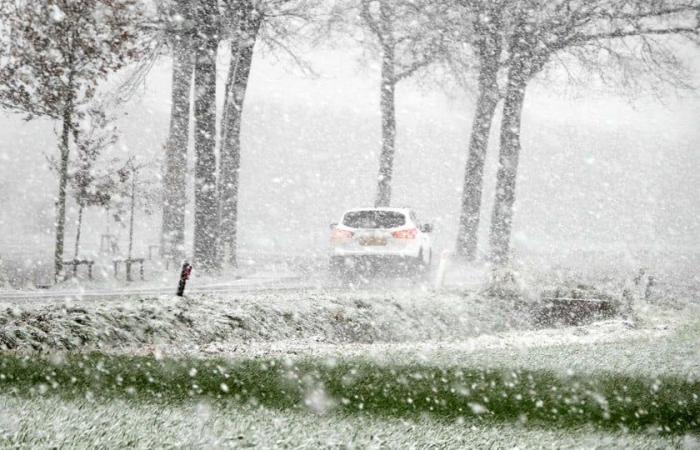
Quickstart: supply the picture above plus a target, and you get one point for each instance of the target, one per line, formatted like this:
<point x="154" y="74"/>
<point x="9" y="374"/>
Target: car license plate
<point x="369" y="241"/>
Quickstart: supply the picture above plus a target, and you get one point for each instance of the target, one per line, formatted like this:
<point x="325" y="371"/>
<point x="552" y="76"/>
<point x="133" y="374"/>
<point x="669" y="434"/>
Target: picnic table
<point x="78" y="262"/>
<point x="128" y="262"/>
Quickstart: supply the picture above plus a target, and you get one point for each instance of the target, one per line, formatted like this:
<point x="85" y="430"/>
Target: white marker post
<point x="442" y="269"/>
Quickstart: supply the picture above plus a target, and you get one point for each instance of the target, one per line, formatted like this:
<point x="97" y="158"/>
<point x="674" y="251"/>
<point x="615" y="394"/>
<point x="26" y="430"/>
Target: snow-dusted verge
<point x="618" y="346"/>
<point x="659" y="337"/>
<point x="314" y="316"/>
<point x="56" y="423"/>
<point x="427" y="325"/>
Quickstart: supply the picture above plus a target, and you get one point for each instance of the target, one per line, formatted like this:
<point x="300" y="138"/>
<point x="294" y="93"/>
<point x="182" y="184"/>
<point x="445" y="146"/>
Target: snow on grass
<point x="394" y="325"/>
<point x="536" y="397"/>
<point x="611" y="346"/>
<point x="325" y="329"/>
<point x="79" y="423"/>
<point x="319" y="315"/>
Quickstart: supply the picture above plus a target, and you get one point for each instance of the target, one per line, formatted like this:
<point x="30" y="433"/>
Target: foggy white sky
<point x="596" y="171"/>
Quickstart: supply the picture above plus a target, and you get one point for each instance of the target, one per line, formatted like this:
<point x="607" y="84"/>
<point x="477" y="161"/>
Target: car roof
<point x="401" y="210"/>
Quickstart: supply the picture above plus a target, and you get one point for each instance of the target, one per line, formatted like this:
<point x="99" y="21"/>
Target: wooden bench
<point x="128" y="262"/>
<point x="78" y="262"/>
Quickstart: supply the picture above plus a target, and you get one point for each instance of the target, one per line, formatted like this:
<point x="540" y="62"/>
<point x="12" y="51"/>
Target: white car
<point x="386" y="235"/>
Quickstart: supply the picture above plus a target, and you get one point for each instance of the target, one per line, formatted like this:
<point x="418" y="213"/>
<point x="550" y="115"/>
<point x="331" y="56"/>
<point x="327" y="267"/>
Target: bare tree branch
<point x="371" y="22"/>
<point x="617" y="34"/>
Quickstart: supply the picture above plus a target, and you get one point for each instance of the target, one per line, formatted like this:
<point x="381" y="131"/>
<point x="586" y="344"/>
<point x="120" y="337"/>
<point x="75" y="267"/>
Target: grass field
<point x="52" y="422"/>
<point x="271" y="381"/>
<point x="538" y="398"/>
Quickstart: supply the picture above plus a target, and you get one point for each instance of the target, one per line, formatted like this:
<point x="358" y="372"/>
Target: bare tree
<point x="195" y="30"/>
<point x="483" y="32"/>
<point x="179" y="27"/>
<point x="90" y="187"/>
<point x="130" y="192"/>
<point x="54" y="54"/>
<point x="247" y="19"/>
<point x="207" y="20"/>
<point x="542" y="30"/>
<point x="407" y="38"/>
<point x="275" y="24"/>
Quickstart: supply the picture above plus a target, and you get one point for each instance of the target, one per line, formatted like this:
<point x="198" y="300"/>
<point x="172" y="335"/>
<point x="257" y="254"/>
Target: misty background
<point x="599" y="172"/>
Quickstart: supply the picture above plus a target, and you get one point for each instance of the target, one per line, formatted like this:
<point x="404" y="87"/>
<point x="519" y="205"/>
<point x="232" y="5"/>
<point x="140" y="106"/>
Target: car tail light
<point x="411" y="233"/>
<point x="341" y="236"/>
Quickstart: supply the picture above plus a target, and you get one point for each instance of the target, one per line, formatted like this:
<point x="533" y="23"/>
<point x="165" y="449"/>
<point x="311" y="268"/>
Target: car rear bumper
<point x="383" y="253"/>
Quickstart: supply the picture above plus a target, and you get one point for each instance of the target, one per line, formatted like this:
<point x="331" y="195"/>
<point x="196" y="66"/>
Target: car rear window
<point x="374" y="219"/>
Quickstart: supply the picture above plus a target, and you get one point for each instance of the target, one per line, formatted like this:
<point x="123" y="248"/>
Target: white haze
<point x="597" y="172"/>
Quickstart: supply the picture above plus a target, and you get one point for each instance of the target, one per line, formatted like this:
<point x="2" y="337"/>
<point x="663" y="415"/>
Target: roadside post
<point x="442" y="269"/>
<point x="184" y="276"/>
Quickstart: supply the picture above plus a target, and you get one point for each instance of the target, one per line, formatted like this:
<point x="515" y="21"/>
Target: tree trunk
<point x="229" y="167"/>
<point x="501" y="219"/>
<point x="174" y="180"/>
<point x="481" y="128"/>
<point x="206" y="210"/>
<point x="387" y="105"/>
<point x="77" y="233"/>
<point x="131" y="224"/>
<point x="62" y="185"/>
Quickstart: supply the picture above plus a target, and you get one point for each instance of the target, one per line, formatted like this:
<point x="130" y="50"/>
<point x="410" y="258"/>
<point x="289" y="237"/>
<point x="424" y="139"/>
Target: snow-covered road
<point x="119" y="293"/>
